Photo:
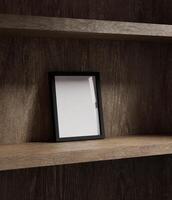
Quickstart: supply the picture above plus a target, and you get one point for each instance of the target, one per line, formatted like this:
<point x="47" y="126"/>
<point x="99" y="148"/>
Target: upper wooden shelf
<point x="29" y="155"/>
<point x="81" y="28"/>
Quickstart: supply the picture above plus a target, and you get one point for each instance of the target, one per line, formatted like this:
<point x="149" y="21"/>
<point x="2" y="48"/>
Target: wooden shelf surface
<point x="29" y="155"/>
<point x="81" y="28"/>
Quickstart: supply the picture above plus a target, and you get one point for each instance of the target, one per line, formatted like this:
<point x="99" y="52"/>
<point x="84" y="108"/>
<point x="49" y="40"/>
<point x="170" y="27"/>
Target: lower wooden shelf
<point x="27" y="155"/>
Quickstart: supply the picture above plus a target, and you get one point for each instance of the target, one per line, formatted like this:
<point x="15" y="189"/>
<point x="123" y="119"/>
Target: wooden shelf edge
<point x="81" y="28"/>
<point x="18" y="156"/>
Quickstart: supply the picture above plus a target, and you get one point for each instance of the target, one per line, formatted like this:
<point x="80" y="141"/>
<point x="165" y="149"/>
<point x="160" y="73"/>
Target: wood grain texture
<point x="132" y="84"/>
<point x="81" y="28"/>
<point x="153" y="11"/>
<point x="48" y="154"/>
<point x="136" y="82"/>
<point x="130" y="179"/>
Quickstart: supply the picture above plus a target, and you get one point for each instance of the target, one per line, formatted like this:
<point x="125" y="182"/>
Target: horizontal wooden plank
<point x="81" y="28"/>
<point x="29" y="155"/>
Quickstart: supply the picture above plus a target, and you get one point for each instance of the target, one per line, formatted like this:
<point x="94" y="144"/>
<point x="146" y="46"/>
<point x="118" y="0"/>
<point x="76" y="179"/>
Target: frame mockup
<point x="77" y="106"/>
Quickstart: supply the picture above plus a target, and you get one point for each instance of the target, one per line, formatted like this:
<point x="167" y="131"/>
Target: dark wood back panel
<point x="153" y="11"/>
<point x="131" y="179"/>
<point x="136" y="80"/>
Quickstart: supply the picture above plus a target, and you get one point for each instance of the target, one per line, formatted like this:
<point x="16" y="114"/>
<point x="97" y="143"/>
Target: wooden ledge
<point x="81" y="28"/>
<point x="29" y="155"/>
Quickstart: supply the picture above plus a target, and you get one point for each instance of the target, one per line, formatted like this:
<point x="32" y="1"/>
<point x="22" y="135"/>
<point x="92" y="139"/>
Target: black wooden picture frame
<point x="52" y="76"/>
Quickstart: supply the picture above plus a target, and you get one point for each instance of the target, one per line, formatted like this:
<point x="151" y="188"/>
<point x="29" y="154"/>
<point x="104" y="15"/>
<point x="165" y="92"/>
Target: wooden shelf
<point x="29" y="155"/>
<point x="81" y="28"/>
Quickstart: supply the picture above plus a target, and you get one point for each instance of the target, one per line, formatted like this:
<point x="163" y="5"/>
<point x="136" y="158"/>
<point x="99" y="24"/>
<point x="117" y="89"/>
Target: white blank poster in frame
<point x="76" y="105"/>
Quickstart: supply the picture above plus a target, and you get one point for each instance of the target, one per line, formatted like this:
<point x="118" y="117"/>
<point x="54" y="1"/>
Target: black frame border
<point x="54" y="105"/>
